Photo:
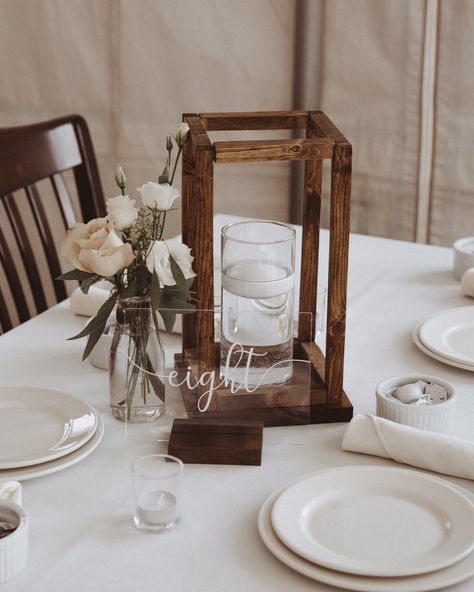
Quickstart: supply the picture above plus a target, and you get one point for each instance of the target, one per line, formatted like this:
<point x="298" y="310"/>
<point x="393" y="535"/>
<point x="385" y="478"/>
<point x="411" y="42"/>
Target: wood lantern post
<point x="328" y="402"/>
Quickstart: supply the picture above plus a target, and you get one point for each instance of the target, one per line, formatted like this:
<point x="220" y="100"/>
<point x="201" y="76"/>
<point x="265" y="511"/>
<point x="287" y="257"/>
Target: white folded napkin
<point x="10" y="491"/>
<point x="404" y="444"/>
<point x="88" y="304"/>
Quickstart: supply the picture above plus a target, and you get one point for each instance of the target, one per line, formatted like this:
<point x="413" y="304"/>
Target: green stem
<point x="176" y="164"/>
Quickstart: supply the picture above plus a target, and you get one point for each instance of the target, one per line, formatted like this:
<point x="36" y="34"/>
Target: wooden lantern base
<point x="277" y="404"/>
<point x="292" y="403"/>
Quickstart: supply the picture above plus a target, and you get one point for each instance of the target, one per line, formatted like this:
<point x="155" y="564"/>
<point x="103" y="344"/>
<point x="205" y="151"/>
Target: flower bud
<point x="182" y="134"/>
<point x="165" y="175"/>
<point x="169" y="144"/>
<point x="120" y="177"/>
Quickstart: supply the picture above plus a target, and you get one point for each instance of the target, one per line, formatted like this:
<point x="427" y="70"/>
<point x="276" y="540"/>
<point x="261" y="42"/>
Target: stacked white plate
<point x="448" y="337"/>
<point x="43" y="431"/>
<point x="372" y="529"/>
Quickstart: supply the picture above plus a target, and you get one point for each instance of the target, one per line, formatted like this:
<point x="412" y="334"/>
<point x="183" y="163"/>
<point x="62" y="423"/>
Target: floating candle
<point x="157" y="508"/>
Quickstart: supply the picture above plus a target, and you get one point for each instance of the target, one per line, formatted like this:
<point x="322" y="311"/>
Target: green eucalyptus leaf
<point x="179" y="278"/>
<point x="86" y="284"/>
<point x="130" y="290"/>
<point x="169" y="318"/>
<point x="91" y="342"/>
<point x="100" y="319"/>
<point x="155" y="291"/>
<point x="76" y="274"/>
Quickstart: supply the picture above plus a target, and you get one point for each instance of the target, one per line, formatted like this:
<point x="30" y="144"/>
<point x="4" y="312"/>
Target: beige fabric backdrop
<point x="131" y="67"/>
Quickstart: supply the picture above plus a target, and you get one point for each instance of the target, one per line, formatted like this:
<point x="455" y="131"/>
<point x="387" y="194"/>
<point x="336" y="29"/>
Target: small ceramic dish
<point x="438" y="417"/>
<point x="463" y="256"/>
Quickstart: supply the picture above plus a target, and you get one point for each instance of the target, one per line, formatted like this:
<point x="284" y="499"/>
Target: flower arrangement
<point x="127" y="249"/>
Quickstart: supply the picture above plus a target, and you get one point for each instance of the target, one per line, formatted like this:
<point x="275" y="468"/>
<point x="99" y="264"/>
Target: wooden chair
<point x="33" y="156"/>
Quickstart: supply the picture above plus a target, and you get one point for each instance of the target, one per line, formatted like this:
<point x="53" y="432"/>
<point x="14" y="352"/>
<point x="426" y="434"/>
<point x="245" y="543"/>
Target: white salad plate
<point x="53" y="466"/>
<point x="454" y="574"/>
<point x="40" y="425"/>
<point x="450" y="334"/>
<point x="375" y="521"/>
<point x="435" y="356"/>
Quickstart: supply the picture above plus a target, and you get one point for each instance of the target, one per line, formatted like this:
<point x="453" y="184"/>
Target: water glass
<point x="156" y="492"/>
<point x="257" y="266"/>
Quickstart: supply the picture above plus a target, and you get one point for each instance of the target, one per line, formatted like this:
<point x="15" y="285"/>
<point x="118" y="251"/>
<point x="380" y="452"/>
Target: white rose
<point x="121" y="211"/>
<point x="181" y="253"/>
<point x="159" y="260"/>
<point x="96" y="248"/>
<point x="158" y="196"/>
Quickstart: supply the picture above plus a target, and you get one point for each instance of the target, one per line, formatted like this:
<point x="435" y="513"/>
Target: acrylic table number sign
<point x="258" y="368"/>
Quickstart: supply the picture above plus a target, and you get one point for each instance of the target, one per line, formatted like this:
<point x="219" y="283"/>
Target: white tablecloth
<point x="82" y="537"/>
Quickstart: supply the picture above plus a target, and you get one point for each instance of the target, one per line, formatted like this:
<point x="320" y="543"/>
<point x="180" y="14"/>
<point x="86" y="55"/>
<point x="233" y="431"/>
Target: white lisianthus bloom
<point x="121" y="211"/>
<point x="182" y="134"/>
<point x="159" y="260"/>
<point x="156" y="195"/>
<point x="96" y="248"/>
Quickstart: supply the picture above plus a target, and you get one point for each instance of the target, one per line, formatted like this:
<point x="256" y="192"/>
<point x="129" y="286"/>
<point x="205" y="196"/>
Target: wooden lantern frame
<point x="328" y="401"/>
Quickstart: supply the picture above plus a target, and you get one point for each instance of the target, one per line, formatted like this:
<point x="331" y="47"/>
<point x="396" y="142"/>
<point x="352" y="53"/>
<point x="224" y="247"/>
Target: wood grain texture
<point x="27" y="256"/>
<point x="197" y="227"/>
<point x="265" y="150"/>
<point x="339" y="228"/>
<point x="47" y="241"/>
<point x="257" y="120"/>
<point x="29" y="154"/>
<point x="275" y="405"/>
<point x="214" y="441"/>
<point x="310" y="245"/>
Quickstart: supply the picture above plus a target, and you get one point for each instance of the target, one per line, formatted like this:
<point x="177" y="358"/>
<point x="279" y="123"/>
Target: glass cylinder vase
<point x="137" y="364"/>
<point x="258" y="261"/>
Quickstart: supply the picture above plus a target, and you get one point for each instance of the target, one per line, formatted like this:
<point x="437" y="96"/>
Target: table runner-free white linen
<point x="82" y="537"/>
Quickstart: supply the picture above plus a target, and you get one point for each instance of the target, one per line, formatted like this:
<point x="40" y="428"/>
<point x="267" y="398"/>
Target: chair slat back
<point x="28" y="249"/>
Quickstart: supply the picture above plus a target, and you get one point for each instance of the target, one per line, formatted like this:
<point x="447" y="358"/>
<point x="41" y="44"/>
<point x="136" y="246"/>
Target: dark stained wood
<point x="320" y="411"/>
<point x="258" y="120"/>
<point x="338" y="269"/>
<point x="29" y="154"/>
<point x="217" y="441"/>
<point x="187" y="187"/>
<point x="26" y="253"/>
<point x="277" y="404"/>
<point x="310" y="245"/>
<point x="197" y="228"/>
<point x="264" y="150"/>
<point x="16" y="289"/>
<point x="64" y="200"/>
<point x="47" y="240"/>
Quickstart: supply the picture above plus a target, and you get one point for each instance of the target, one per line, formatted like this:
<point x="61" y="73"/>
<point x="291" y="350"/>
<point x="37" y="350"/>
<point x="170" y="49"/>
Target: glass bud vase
<point x="137" y="364"/>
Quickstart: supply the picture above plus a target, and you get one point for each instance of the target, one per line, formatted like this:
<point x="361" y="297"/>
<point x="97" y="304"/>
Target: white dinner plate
<point x="451" y="334"/>
<point x="39" y="425"/>
<point x="375" y="521"/>
<point x="458" y="572"/>
<point x="435" y="356"/>
<point x="53" y="466"/>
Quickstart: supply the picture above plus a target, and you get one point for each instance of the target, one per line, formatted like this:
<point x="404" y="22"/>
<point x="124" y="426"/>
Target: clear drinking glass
<point x="156" y="492"/>
<point x="257" y="263"/>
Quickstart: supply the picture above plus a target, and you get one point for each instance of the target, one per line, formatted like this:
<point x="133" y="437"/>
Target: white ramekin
<point x="13" y="547"/>
<point x="100" y="355"/>
<point x="463" y="256"/>
<point x="435" y="418"/>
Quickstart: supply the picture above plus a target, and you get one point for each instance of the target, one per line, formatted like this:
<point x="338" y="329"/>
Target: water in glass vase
<point x="257" y="304"/>
<point x="137" y="391"/>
